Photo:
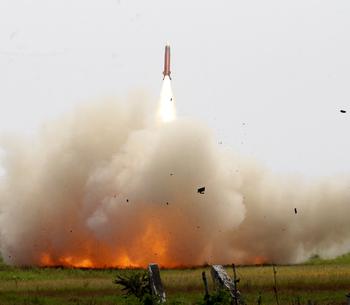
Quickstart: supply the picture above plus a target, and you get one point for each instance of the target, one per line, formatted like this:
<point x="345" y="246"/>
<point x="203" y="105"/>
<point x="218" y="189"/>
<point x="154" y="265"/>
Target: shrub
<point x="136" y="284"/>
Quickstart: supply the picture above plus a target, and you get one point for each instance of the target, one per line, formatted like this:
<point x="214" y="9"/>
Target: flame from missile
<point x="167" y="108"/>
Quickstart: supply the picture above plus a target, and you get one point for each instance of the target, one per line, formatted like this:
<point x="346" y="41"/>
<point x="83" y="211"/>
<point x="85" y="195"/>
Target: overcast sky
<point x="270" y="77"/>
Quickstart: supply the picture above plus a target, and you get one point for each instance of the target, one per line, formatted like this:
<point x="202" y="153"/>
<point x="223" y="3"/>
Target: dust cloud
<point x="107" y="186"/>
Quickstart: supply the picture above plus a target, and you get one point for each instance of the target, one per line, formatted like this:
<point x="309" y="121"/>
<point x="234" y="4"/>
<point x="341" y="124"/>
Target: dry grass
<point x="325" y="284"/>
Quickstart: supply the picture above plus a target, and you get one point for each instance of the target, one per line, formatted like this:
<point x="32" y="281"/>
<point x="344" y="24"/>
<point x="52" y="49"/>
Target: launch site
<point x="174" y="152"/>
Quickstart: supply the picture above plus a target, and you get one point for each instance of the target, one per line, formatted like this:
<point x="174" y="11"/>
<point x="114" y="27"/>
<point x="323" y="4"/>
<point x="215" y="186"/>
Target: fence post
<point x="205" y="285"/>
<point x="156" y="283"/>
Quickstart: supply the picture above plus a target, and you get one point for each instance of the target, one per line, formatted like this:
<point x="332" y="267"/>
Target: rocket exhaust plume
<point x="104" y="186"/>
<point x="167" y="109"/>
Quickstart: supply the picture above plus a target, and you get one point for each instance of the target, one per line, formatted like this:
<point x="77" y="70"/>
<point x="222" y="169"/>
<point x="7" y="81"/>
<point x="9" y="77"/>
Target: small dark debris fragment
<point x="171" y="174"/>
<point x="295" y="211"/>
<point x="343" y="111"/>
<point x="201" y="190"/>
<point x="71" y="231"/>
<point x="167" y="203"/>
<point x="198" y="227"/>
<point x="171" y="99"/>
<point x="127" y="200"/>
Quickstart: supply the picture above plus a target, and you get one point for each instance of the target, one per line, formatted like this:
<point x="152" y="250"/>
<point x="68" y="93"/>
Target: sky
<point x="269" y="77"/>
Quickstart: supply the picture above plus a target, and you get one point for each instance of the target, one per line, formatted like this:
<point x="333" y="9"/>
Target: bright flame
<point x="46" y="260"/>
<point x="124" y="261"/>
<point x="69" y="261"/>
<point x="167" y="110"/>
<point x="151" y="245"/>
<point x="79" y="263"/>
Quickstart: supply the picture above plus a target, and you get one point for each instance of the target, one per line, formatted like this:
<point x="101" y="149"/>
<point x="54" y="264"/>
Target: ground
<point x="320" y="281"/>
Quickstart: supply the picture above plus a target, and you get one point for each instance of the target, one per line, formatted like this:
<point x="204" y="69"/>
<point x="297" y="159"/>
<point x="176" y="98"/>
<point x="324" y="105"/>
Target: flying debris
<point x="295" y="211"/>
<point x="201" y="190"/>
<point x="166" y="71"/>
<point x="343" y="111"/>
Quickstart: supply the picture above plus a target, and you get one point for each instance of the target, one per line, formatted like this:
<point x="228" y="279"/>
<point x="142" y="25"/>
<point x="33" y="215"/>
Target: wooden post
<point x="223" y="281"/>
<point x="235" y="281"/>
<point x="275" y="284"/>
<point x="206" y="296"/>
<point x="259" y="300"/>
<point x="156" y="283"/>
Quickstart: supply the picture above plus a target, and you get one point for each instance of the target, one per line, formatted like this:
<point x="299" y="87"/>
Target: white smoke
<point x="105" y="186"/>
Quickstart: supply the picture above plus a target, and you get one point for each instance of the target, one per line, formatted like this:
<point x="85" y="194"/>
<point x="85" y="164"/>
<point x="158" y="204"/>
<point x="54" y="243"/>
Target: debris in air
<point x="295" y="211"/>
<point x="127" y="200"/>
<point x="201" y="190"/>
<point x="343" y="111"/>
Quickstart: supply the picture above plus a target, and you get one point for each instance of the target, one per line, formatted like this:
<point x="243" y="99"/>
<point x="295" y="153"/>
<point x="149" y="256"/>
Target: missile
<point x="166" y="71"/>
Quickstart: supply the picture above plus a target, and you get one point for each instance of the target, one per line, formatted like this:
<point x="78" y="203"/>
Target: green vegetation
<point x="340" y="260"/>
<point x="137" y="284"/>
<point x="320" y="281"/>
<point x="220" y="297"/>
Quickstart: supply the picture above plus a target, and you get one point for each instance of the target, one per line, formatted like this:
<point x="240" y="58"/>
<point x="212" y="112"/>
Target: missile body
<point x="166" y="71"/>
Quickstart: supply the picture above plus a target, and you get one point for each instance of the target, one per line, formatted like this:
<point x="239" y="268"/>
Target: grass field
<point x="321" y="281"/>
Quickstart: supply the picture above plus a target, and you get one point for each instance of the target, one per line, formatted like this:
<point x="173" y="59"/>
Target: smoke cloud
<point x="104" y="186"/>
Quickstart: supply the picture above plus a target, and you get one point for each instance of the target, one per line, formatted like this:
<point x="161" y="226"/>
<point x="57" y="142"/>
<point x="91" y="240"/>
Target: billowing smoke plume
<point x="106" y="186"/>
